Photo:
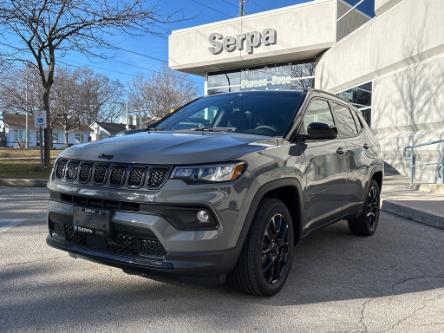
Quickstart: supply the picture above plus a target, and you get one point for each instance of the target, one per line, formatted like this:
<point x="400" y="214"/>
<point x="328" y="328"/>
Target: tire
<point x="265" y="260"/>
<point x="367" y="222"/>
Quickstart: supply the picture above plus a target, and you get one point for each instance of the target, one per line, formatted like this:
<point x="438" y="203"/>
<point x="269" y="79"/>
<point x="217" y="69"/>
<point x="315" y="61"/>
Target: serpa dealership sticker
<point x="250" y="40"/>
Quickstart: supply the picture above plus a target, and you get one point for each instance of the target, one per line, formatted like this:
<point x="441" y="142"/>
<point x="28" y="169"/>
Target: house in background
<point x="102" y="130"/>
<point x="13" y="129"/>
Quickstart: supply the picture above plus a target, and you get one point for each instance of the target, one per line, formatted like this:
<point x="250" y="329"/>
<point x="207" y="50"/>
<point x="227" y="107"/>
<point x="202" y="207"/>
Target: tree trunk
<point x="46" y="133"/>
<point x="66" y="138"/>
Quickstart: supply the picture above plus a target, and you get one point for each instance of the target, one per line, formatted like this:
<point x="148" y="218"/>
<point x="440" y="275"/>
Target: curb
<point x="413" y="214"/>
<point x="23" y="182"/>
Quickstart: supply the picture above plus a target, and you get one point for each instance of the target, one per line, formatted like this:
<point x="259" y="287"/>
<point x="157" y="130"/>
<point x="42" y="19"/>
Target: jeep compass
<point x="224" y="186"/>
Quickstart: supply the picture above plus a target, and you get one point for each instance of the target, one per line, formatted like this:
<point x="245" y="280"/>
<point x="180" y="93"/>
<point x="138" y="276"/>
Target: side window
<point x="317" y="111"/>
<point x="357" y="121"/>
<point x="344" y="121"/>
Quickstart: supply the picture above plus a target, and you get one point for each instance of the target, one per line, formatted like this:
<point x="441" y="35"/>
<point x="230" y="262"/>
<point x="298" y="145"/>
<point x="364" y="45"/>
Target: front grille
<point x="71" y="170"/>
<point x="136" y="177"/>
<point x="110" y="174"/>
<point x="119" y="244"/>
<point x="100" y="173"/>
<point x="116" y="176"/>
<point x="157" y="176"/>
<point x="60" y="168"/>
<point x="84" y="172"/>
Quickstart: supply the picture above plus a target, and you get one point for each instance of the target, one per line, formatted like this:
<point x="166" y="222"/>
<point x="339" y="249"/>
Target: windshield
<point x="259" y="113"/>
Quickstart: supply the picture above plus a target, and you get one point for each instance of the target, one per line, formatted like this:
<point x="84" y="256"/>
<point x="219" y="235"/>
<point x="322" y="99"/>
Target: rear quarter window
<point x="344" y="121"/>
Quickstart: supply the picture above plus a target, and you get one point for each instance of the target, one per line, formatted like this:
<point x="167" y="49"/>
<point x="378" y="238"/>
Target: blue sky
<point x="125" y="65"/>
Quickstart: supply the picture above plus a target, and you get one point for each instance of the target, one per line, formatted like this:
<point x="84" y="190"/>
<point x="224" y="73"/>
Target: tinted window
<point x="357" y="121"/>
<point x="318" y="111"/>
<point x="344" y="121"/>
<point x="266" y="113"/>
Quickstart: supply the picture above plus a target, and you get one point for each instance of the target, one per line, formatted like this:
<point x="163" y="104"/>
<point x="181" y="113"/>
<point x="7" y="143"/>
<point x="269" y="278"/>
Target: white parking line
<point x="6" y="224"/>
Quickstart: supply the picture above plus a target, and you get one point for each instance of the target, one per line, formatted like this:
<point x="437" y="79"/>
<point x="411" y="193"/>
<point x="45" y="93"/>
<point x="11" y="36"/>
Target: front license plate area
<point x="92" y="218"/>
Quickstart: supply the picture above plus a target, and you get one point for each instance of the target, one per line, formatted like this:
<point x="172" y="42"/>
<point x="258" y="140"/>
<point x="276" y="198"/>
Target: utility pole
<point x="241" y="7"/>
<point x="127" y="115"/>
<point x="27" y="109"/>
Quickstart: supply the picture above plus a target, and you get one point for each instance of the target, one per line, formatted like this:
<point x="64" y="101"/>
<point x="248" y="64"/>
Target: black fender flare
<point x="260" y="194"/>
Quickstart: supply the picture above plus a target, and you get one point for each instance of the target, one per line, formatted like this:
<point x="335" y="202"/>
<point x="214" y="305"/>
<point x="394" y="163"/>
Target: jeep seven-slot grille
<point x="111" y="174"/>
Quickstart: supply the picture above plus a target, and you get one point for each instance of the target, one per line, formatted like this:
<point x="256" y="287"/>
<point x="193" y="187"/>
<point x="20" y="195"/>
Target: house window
<point x="19" y="135"/>
<point x="55" y="137"/>
<point x="78" y="138"/>
<point x="361" y="98"/>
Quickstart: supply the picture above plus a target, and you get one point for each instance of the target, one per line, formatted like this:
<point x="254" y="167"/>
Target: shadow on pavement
<point x="330" y="265"/>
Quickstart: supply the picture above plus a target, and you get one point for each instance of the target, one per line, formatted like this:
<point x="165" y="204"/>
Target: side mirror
<point x="321" y="131"/>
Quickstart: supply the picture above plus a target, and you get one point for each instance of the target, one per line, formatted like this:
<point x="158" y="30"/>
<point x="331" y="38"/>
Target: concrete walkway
<point x="422" y="207"/>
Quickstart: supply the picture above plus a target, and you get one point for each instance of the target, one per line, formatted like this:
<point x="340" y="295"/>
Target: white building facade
<point x="390" y="66"/>
<point x="13" y="133"/>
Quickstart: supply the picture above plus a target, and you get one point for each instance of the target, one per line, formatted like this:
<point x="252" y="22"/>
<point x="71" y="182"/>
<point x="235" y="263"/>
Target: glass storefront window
<point x="361" y="98"/>
<point x="294" y="76"/>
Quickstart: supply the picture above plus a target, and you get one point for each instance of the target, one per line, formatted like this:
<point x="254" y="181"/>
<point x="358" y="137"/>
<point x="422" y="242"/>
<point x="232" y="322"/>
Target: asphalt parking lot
<point x="391" y="282"/>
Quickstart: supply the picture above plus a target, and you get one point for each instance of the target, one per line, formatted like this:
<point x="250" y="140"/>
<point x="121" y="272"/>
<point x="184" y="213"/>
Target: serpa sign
<point x="248" y="41"/>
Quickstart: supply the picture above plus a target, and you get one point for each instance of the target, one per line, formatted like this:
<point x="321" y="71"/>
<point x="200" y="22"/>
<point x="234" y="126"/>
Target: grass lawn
<point x="22" y="170"/>
<point x="20" y="153"/>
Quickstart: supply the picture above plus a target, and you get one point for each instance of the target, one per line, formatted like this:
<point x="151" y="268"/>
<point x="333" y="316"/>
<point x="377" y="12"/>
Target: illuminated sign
<point x="248" y="41"/>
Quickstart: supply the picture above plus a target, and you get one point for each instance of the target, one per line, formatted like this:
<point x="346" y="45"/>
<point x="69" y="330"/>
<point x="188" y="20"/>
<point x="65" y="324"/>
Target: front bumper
<point x="141" y="242"/>
<point x="185" y="264"/>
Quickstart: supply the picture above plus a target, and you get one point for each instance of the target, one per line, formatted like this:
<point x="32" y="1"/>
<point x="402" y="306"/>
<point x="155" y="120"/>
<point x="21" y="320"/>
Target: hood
<point x="172" y="147"/>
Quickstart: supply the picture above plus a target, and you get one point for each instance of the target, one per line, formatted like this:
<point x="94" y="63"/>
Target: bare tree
<point x="100" y="98"/>
<point x="20" y="90"/>
<point x="45" y="27"/>
<point x="82" y="97"/>
<point x="158" y="94"/>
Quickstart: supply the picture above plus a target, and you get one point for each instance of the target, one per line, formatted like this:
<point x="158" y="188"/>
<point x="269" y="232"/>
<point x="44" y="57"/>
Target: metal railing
<point x="412" y="160"/>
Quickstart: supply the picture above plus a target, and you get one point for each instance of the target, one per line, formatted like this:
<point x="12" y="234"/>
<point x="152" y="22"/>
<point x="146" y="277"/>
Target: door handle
<point x="366" y="146"/>
<point x="340" y="151"/>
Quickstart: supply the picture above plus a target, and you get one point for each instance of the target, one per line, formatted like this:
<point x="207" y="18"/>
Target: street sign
<point x="40" y="119"/>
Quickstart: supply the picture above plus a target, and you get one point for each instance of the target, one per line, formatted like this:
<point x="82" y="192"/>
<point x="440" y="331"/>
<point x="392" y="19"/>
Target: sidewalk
<point x="422" y="207"/>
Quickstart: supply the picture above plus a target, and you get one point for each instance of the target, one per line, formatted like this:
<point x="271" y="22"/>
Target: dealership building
<point x="390" y="66"/>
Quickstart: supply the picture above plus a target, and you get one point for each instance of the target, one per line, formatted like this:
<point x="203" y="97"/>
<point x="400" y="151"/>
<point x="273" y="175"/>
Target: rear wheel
<point x="266" y="257"/>
<point x="367" y="222"/>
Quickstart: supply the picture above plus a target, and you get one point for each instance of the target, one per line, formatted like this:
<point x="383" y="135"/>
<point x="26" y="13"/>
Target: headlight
<point x="214" y="173"/>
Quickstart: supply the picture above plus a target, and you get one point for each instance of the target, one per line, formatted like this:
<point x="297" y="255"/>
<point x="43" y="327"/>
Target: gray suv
<point x="225" y="186"/>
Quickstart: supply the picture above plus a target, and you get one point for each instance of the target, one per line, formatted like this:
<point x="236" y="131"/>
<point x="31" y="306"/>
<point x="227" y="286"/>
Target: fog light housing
<point x="203" y="216"/>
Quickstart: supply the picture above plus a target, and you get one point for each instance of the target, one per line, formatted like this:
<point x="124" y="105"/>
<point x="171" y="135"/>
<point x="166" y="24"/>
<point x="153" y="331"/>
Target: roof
<point x="112" y="128"/>
<point x="19" y="120"/>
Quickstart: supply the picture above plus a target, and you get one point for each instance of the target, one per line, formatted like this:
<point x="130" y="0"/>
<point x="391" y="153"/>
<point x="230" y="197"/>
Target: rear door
<point x="326" y="167"/>
<point x="352" y="137"/>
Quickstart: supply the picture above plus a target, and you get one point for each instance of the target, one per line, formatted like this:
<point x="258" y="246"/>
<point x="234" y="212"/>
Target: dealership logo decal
<point x="245" y="41"/>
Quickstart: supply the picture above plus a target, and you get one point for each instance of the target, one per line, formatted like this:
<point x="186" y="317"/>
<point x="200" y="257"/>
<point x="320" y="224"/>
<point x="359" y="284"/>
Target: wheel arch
<point x="289" y="191"/>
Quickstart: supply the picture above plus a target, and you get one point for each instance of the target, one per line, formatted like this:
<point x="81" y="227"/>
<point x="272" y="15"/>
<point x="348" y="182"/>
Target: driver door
<point x="326" y="168"/>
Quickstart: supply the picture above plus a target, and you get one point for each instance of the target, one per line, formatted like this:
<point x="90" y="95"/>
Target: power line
<point x="139" y="54"/>
<point x="211" y="8"/>
<point x="112" y="70"/>
<point x="119" y="48"/>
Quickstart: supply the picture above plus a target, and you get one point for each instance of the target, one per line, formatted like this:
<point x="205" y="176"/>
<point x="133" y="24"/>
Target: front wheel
<point x="367" y="222"/>
<point x="265" y="260"/>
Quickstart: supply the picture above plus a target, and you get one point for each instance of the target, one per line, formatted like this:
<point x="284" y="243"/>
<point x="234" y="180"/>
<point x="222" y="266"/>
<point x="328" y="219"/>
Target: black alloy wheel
<point x="366" y="223"/>
<point x="275" y="247"/>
